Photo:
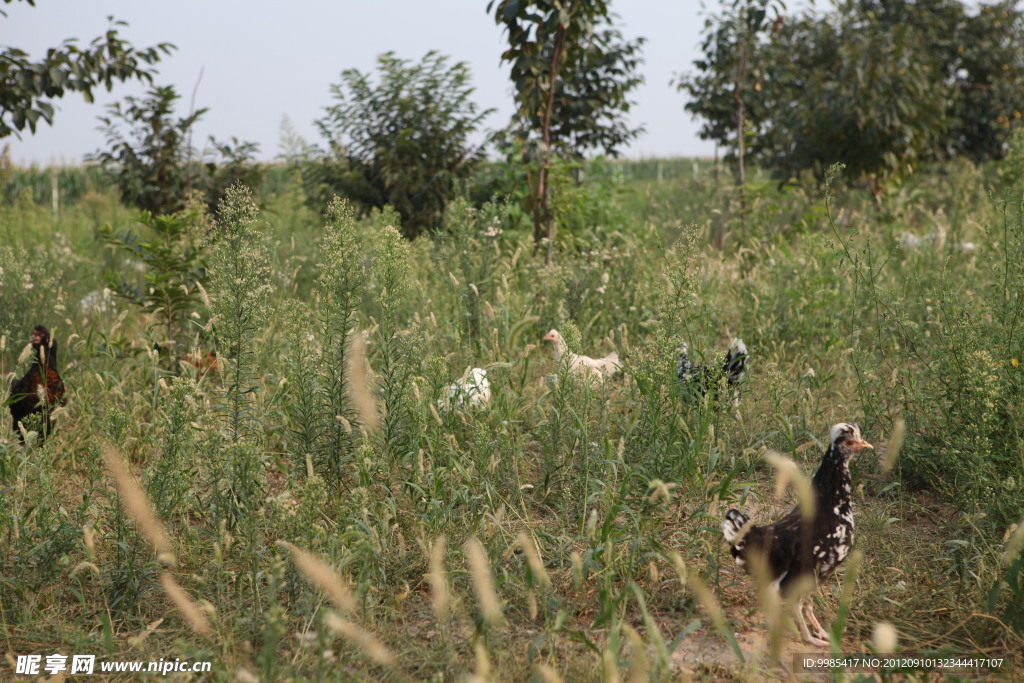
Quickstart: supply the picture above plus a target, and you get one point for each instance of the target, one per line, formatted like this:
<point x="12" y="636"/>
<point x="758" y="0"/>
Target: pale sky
<point x="263" y="60"/>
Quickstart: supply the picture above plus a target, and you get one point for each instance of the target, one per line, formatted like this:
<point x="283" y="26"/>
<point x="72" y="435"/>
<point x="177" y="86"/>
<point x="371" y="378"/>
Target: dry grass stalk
<point x="359" y="383"/>
<point x="547" y="674"/>
<point x="363" y="639"/>
<point x="610" y="667"/>
<point x="710" y="604"/>
<point x="86" y="565"/>
<point x="320" y="574"/>
<point x="639" y="667"/>
<point x="787" y="472"/>
<point x="483" y="662"/>
<point x="680" y="566"/>
<point x="194" y="616"/>
<point x="138" y="506"/>
<point x="89" y="538"/>
<point x="885" y="638"/>
<point x="136" y="641"/>
<point x="1015" y="543"/>
<point x="892" y="451"/>
<point x="533" y="558"/>
<point x="771" y="602"/>
<point x="483" y="584"/>
<point x="438" y="580"/>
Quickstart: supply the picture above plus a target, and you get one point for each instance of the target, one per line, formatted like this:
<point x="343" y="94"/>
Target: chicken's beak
<point x="861" y="445"/>
<point x="548" y="337"/>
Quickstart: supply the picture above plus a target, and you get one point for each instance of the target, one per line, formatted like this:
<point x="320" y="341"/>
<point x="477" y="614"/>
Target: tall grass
<point x="329" y="515"/>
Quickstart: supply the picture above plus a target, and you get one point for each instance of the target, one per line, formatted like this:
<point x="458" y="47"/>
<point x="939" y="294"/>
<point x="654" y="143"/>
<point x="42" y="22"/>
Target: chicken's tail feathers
<point x="733" y="525"/>
<point x="736" y="361"/>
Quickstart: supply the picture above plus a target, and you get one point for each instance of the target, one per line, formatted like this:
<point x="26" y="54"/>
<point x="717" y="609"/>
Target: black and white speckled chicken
<point x="705" y="378"/>
<point x="798" y="548"/>
<point x="41" y="389"/>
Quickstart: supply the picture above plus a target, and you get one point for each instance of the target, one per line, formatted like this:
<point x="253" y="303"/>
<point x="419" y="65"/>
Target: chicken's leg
<point x="818" y="630"/>
<point x="804" y="631"/>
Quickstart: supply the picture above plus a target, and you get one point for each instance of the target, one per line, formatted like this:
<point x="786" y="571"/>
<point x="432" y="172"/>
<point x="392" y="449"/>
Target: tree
<point x="592" y="96"/>
<point x="170" y="251"/>
<point x="148" y="154"/>
<point x="403" y="141"/>
<point x="151" y="159"/>
<point x="572" y="73"/>
<point x="881" y="85"/>
<point x="28" y="87"/>
<point x="726" y="91"/>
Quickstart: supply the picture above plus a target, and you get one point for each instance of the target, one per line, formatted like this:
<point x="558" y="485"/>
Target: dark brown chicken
<point x="204" y="364"/>
<point x="41" y="389"/>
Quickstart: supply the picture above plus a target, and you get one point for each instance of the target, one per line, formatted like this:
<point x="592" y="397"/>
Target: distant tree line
<point x="407" y="137"/>
<point x="881" y="85"/>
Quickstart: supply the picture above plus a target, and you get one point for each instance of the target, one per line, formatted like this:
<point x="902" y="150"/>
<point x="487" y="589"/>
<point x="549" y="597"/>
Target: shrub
<point x="403" y="141"/>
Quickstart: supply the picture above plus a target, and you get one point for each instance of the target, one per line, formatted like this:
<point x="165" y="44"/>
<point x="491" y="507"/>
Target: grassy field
<point x="323" y="514"/>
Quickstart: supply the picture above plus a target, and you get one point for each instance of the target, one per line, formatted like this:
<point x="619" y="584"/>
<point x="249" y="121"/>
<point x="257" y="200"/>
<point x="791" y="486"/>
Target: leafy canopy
<point x="575" y="47"/>
<point x="572" y="72"/>
<point x="28" y="86"/>
<point x="879" y="85"/>
<point x="403" y="139"/>
<point x="150" y="157"/>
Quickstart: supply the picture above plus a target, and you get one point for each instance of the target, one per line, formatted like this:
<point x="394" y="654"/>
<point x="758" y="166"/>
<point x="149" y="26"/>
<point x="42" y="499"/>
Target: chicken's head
<point x="40" y="337"/>
<point x="846" y="439"/>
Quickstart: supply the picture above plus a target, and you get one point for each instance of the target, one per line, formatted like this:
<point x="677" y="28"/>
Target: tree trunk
<point x="544" y="175"/>
<point x="741" y="74"/>
<point x="719" y="225"/>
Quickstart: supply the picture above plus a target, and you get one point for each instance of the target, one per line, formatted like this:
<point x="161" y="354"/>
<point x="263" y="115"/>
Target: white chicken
<point x="473" y="390"/>
<point x="604" y="368"/>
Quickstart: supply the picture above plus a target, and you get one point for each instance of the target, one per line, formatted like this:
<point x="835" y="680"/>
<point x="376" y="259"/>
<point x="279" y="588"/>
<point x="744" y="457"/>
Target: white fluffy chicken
<point x="472" y="391"/>
<point x="605" y="368"/>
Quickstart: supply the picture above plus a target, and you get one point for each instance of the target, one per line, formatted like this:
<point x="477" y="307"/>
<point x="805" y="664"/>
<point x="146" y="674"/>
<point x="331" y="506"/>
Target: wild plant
<point x="660" y="441"/>
<point x="173" y="270"/>
<point x="964" y="377"/>
<point x="239" y="285"/>
<point x="303" y="406"/>
<point x="339" y="286"/>
<point x="31" y="290"/>
<point x="565" y="387"/>
<point x="170" y="479"/>
<point x="390" y="268"/>
<point x="38" y="531"/>
<point x="474" y="247"/>
<point x="1008" y="590"/>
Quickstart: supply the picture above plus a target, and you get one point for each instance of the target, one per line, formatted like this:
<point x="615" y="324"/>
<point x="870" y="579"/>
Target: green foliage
<point x="28" y="87"/>
<point x="173" y="269"/>
<point x="390" y="272"/>
<point x="28" y="279"/>
<point x="1008" y="590"/>
<point x="474" y="247"/>
<point x="617" y="488"/>
<point x="303" y="406"/>
<point x="150" y="156"/>
<point x="240" y="286"/>
<point x="726" y="89"/>
<point x="882" y="87"/>
<point x="403" y="141"/>
<point x="148" y="151"/>
<point x="339" y="288"/>
<point x="170" y="479"/>
<point x="228" y="163"/>
<point x="573" y="74"/>
<point x="966" y="376"/>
